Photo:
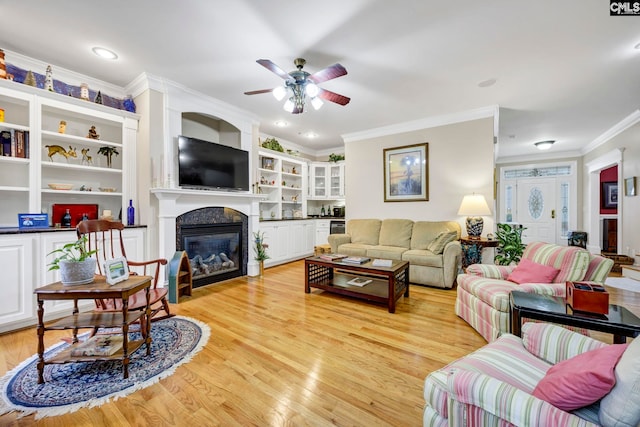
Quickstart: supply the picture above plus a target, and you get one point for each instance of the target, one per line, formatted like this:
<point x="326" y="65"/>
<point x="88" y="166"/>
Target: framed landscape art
<point x="406" y="173"/>
<point x="609" y="195"/>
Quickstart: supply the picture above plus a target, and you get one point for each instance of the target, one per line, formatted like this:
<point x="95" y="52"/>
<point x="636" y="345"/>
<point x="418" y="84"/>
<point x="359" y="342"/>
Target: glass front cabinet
<point x="326" y="180"/>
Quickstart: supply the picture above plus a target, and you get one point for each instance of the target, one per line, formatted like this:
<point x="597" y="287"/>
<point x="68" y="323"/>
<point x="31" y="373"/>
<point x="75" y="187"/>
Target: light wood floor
<point x="280" y="357"/>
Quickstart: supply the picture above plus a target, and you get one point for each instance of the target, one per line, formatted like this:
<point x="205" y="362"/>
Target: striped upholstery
<point x="492" y="386"/>
<point x="483" y="291"/>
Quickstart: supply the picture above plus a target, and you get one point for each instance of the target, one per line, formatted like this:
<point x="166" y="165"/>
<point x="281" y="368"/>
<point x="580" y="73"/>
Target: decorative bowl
<point x="107" y="189"/>
<point x="58" y="186"/>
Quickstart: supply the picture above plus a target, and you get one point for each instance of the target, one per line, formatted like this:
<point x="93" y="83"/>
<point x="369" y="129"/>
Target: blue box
<point x="38" y="220"/>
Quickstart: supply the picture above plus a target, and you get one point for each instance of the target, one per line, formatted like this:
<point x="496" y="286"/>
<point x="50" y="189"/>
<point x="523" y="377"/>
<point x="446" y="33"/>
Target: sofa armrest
<point x="451" y="261"/>
<point x="490" y="271"/>
<point x="505" y="401"/>
<point x="336" y="240"/>
<point x="554" y="343"/>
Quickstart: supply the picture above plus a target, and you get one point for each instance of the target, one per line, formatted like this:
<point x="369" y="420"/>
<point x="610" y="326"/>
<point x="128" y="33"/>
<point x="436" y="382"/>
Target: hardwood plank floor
<point x="280" y="357"/>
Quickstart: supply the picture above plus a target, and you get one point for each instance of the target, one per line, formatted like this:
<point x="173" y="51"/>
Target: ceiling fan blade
<point x="333" y="97"/>
<point x="256" y="92"/>
<point x="332" y="72"/>
<point x="273" y="68"/>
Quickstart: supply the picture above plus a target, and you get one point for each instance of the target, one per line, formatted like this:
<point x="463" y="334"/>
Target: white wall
<point x="460" y="162"/>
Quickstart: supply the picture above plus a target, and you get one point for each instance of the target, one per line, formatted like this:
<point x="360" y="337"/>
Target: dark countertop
<point x="16" y="230"/>
<point x="335" y="218"/>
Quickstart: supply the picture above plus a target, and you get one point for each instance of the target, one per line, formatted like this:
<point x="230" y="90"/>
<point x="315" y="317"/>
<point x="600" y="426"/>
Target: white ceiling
<point x="564" y="69"/>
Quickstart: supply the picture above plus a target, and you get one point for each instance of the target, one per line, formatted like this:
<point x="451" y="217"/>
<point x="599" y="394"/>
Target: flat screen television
<point x="207" y="165"/>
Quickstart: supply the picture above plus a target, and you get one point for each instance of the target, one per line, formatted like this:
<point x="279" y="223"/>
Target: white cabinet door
<point x="318" y="180"/>
<point x="322" y="232"/>
<point x="302" y="239"/>
<point x="336" y="180"/>
<point x="18" y="255"/>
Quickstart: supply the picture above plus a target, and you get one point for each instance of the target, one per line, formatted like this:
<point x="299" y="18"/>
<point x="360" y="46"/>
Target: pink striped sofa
<point x="483" y="291"/>
<point x="493" y="386"/>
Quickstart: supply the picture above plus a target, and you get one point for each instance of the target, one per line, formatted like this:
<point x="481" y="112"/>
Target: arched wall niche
<point x="210" y="128"/>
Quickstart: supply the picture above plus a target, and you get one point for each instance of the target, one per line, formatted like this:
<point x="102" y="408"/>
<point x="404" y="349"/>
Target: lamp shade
<point x="474" y="206"/>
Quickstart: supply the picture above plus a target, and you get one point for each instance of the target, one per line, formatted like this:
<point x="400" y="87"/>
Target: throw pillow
<point x="621" y="407"/>
<point x="531" y="272"/>
<point x="441" y="240"/>
<point x="580" y="380"/>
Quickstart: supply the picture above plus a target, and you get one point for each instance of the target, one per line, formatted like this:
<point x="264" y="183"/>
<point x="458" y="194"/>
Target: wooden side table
<point x="99" y="289"/>
<point x="472" y="250"/>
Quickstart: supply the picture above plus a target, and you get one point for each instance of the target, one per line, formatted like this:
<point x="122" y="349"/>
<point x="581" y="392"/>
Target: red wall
<point x="608" y="175"/>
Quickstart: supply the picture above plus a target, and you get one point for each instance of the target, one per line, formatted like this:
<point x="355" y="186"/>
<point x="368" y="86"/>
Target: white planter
<point x="77" y="273"/>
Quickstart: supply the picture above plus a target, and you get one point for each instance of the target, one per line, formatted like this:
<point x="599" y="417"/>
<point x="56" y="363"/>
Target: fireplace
<point x="216" y="242"/>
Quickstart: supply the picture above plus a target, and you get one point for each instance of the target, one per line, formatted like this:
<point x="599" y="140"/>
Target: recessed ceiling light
<point x="637" y="46"/>
<point x="281" y="124"/>
<point x="487" y="83"/>
<point x="104" y="53"/>
<point x="311" y="134"/>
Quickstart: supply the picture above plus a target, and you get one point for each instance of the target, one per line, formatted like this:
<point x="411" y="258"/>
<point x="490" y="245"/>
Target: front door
<point x="536" y="209"/>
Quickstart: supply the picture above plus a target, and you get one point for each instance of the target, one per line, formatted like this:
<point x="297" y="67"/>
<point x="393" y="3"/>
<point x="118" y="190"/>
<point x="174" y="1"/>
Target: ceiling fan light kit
<point x="300" y="86"/>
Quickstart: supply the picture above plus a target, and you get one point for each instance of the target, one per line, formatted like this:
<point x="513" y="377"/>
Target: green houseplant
<point x="510" y="247"/>
<point x="74" y="262"/>
<point x="260" y="249"/>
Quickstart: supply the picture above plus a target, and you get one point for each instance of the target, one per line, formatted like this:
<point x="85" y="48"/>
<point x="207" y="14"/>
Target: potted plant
<point x="510" y="246"/>
<point x="260" y="249"/>
<point x="74" y="262"/>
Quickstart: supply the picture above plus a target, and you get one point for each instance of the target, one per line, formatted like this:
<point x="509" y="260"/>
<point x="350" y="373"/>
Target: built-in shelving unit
<point x="283" y="179"/>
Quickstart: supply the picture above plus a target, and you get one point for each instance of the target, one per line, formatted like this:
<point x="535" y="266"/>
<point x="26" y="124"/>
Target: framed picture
<point x="630" y="186"/>
<point x="609" y="195"/>
<point x="406" y="173"/>
<point x="116" y="270"/>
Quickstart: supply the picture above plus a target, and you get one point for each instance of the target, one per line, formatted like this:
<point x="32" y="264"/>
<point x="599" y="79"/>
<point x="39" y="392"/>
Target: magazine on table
<point x="332" y="257"/>
<point x="359" y="281"/>
<point x="356" y="259"/>
<point x="98" y="345"/>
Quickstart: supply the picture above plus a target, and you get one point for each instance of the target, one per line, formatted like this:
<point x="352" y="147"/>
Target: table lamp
<point x="474" y="206"/>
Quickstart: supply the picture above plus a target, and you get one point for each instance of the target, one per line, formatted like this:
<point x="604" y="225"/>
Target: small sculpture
<point x="108" y="152"/>
<point x="93" y="134"/>
<point x="86" y="157"/>
<point x="3" y="66"/>
<point x="48" y="79"/>
<point x="84" y="91"/>
<point x="30" y="79"/>
<point x="57" y="149"/>
<point x="98" y="99"/>
<point x="62" y="127"/>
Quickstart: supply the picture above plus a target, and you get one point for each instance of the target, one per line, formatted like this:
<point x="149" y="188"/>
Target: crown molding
<point x="426" y="123"/>
<point x="615" y="130"/>
<point x="561" y="155"/>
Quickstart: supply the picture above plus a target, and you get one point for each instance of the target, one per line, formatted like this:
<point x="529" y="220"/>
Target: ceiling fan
<point x="299" y="85"/>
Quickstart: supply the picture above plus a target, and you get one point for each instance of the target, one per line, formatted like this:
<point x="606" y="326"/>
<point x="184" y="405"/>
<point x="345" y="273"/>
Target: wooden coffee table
<point x="620" y="322"/>
<point x="387" y="285"/>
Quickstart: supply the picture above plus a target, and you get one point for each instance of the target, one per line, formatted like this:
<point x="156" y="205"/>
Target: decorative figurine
<point x="293" y="171"/>
<point x="84" y="91"/>
<point x="30" y="79"/>
<point x="86" y="157"/>
<point x="3" y="67"/>
<point x="48" y="79"/>
<point x="98" y="99"/>
<point x="57" y="149"/>
<point x="108" y="152"/>
<point x="62" y="127"/>
<point x="93" y="134"/>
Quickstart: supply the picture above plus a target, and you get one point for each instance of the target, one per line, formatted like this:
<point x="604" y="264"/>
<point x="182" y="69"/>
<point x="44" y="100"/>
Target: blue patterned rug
<point x="72" y="386"/>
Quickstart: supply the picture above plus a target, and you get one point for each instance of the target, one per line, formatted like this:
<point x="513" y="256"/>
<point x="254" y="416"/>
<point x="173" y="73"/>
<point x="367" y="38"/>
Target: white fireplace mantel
<point x="176" y="201"/>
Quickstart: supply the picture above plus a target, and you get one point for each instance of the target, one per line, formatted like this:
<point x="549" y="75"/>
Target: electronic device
<point x="207" y="165"/>
<point x="116" y="270"/>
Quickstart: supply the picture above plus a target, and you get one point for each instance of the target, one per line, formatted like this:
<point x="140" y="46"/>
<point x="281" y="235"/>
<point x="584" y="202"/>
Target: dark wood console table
<point x="99" y="289"/>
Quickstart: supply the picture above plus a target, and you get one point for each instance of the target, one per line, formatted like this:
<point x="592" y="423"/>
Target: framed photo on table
<point x="406" y="173"/>
<point x="116" y="270"/>
<point x="609" y="195"/>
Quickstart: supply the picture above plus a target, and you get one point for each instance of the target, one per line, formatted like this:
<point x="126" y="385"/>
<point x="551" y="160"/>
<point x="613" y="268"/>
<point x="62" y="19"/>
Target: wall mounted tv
<point x="207" y="165"/>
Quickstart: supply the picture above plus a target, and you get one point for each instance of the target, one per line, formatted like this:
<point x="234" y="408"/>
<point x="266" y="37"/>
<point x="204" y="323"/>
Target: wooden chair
<point x="106" y="238"/>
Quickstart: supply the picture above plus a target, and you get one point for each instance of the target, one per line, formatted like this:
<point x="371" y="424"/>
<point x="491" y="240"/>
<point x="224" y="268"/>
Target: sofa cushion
<point x="599" y="268"/>
<point x="441" y="240"/>
<point x="364" y="231"/>
<point x="493" y="292"/>
<point x="423" y="257"/>
<point x="396" y="232"/>
<point x="386" y="252"/>
<point x="353" y="249"/>
<point x="554" y="343"/>
<point x="572" y="261"/>
<point x="424" y="232"/>
<point x="621" y="407"/>
<point x="531" y="272"/>
<point x="580" y="380"/>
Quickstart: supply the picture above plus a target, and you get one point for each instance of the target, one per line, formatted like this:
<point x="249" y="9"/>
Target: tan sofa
<point x="430" y="263"/>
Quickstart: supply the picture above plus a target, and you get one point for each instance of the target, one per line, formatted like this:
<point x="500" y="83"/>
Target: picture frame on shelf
<point x="406" y="173"/>
<point x="609" y="195"/>
<point x="630" y="186"/>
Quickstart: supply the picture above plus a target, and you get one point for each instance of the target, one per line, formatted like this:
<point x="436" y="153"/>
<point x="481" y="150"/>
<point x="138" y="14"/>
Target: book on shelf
<point x="332" y="257"/>
<point x="356" y="259"/>
<point x="98" y="345"/>
<point x="359" y="281"/>
<point x="5" y="141"/>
